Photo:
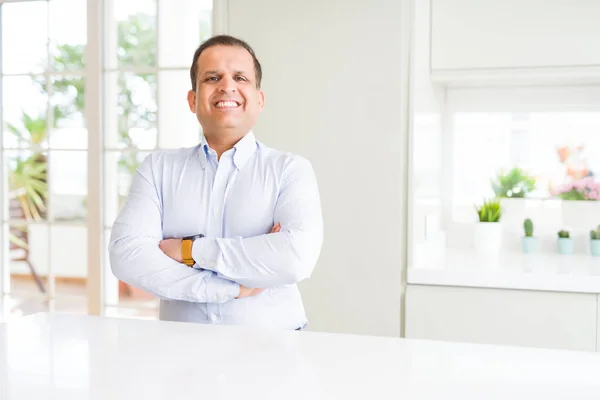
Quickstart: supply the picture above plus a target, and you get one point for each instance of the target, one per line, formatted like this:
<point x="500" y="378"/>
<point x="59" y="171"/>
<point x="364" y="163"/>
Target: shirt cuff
<point x="221" y="290"/>
<point x="205" y="252"/>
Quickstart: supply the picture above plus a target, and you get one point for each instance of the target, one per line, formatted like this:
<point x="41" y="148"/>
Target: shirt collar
<point x="243" y="150"/>
<point x="202" y="151"/>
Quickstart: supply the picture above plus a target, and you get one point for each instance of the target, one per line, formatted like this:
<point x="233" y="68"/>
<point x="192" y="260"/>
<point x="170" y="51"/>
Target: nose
<point x="228" y="85"/>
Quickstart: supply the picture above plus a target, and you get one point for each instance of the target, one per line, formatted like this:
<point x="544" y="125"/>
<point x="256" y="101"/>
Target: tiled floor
<point x="26" y="299"/>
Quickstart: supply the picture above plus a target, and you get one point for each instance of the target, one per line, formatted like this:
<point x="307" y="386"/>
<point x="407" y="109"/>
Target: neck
<point x="222" y="141"/>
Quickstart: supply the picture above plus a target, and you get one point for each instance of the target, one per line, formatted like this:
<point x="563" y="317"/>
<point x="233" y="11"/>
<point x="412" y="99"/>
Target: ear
<point x="191" y="98"/>
<point x="261" y="99"/>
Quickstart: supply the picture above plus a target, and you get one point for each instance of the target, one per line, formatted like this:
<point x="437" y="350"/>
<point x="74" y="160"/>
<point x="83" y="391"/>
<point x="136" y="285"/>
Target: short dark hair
<point x="224" y="40"/>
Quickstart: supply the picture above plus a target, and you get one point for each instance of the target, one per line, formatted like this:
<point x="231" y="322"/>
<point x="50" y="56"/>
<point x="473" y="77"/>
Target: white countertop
<point x="51" y="356"/>
<point x="577" y="273"/>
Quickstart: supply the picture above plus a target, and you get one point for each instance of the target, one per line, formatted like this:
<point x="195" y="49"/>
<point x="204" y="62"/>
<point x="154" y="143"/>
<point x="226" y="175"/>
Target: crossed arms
<point x="225" y="266"/>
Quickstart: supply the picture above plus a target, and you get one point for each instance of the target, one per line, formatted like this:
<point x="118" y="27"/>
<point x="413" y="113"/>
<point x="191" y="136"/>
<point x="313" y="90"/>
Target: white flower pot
<point x="487" y="237"/>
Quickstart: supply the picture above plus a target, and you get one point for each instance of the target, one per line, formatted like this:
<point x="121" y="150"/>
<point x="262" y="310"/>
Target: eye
<point x="240" y="78"/>
<point x="211" y="79"/>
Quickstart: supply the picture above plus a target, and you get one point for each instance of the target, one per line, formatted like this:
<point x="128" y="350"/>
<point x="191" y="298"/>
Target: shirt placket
<point x="215" y="225"/>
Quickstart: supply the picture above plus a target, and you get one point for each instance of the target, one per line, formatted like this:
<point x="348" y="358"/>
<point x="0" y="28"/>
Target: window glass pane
<point x="25" y="109"/>
<point x="481" y="148"/>
<point x="131" y="33"/>
<point x="555" y="148"/>
<point x="177" y="125"/>
<point x="68" y="34"/>
<point x="193" y="19"/>
<point x="68" y="128"/>
<point x="130" y="111"/>
<point x="24" y="37"/>
<point x="28" y="265"/>
<point x="68" y="185"/>
<point x="542" y="165"/>
<point x="27" y="180"/>
<point x="69" y="265"/>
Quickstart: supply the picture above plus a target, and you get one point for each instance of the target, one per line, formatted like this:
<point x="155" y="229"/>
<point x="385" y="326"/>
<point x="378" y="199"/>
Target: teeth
<point x="226" y="104"/>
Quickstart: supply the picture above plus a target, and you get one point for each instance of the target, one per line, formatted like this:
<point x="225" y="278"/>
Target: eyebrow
<point x="239" y="72"/>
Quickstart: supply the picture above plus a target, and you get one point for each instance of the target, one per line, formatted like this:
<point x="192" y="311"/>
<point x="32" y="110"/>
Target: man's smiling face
<point x="226" y="97"/>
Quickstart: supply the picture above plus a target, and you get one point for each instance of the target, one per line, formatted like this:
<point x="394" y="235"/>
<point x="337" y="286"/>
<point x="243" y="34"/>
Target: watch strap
<point x="186" y="249"/>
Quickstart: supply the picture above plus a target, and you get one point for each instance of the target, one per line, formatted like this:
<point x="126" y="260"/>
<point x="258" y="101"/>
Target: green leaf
<point x="490" y="211"/>
<point x="514" y="184"/>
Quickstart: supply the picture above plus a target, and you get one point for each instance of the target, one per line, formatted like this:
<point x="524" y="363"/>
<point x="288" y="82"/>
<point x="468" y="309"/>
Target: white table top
<point x="575" y="273"/>
<point x="51" y="356"/>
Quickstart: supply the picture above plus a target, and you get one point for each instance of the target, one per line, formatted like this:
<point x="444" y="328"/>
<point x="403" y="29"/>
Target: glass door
<point x="43" y="156"/>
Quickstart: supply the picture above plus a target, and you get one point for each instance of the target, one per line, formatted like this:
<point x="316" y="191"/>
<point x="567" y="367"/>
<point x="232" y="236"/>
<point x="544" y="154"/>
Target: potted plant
<point x="529" y="242"/>
<point x="512" y="187"/>
<point x="595" y="242"/>
<point x="516" y="183"/>
<point x="565" y="242"/>
<point x="488" y="231"/>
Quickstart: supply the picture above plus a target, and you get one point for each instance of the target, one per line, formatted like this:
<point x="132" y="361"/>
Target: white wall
<point x="335" y="83"/>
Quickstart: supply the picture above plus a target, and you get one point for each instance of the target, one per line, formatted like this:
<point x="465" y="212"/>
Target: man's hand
<point x="172" y="248"/>
<point x="276" y="228"/>
<point x="247" y="292"/>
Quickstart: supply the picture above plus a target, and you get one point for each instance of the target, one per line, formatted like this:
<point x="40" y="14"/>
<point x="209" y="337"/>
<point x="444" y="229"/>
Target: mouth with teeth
<point x="226" y="104"/>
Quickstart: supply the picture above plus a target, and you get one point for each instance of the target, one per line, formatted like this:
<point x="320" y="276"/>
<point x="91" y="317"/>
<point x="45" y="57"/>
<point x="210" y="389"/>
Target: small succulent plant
<point x="489" y="211"/>
<point x="528" y="227"/>
<point x="595" y="233"/>
<point x="564" y="234"/>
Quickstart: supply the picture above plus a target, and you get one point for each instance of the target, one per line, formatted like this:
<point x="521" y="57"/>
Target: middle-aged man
<point x="223" y="231"/>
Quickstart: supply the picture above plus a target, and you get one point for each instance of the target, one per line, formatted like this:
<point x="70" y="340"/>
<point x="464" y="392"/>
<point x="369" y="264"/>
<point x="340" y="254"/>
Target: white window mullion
<point x="158" y="79"/>
<point x="4" y="256"/>
<point x="51" y="281"/>
<point x="18" y="1"/>
<point x="94" y="119"/>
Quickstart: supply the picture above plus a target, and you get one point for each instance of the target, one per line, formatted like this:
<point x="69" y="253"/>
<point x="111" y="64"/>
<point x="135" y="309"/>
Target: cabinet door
<point x="598" y="328"/>
<point x="487" y="34"/>
<point x="507" y="317"/>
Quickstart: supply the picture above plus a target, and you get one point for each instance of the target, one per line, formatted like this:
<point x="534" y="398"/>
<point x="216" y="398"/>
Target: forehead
<point x="225" y="58"/>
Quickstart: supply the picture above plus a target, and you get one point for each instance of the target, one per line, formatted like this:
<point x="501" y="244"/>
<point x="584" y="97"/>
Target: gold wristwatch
<point x="186" y="249"/>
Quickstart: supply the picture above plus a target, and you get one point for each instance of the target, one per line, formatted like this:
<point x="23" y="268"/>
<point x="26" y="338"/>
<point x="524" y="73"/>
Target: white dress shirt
<point x="234" y="202"/>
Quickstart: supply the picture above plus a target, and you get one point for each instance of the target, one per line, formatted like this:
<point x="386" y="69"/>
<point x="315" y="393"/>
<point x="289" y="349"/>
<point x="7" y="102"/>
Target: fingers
<point x="247" y="292"/>
<point x="276" y="228"/>
<point x="244" y="292"/>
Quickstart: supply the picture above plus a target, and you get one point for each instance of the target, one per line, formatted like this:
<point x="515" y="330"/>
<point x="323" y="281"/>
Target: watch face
<point x="194" y="237"/>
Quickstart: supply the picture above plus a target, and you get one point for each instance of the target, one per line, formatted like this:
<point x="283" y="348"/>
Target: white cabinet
<point x="513" y="34"/>
<point x="598" y="328"/>
<point x="498" y="316"/>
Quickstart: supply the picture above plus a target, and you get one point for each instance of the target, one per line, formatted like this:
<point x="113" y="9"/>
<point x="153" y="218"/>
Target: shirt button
<point x="212" y="263"/>
<point x="213" y="318"/>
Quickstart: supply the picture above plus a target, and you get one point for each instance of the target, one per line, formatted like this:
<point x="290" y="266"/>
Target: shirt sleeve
<point x="136" y="259"/>
<point x="276" y="259"/>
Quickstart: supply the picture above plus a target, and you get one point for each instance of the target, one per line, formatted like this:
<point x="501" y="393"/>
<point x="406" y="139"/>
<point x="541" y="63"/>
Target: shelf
<point x="577" y="273"/>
